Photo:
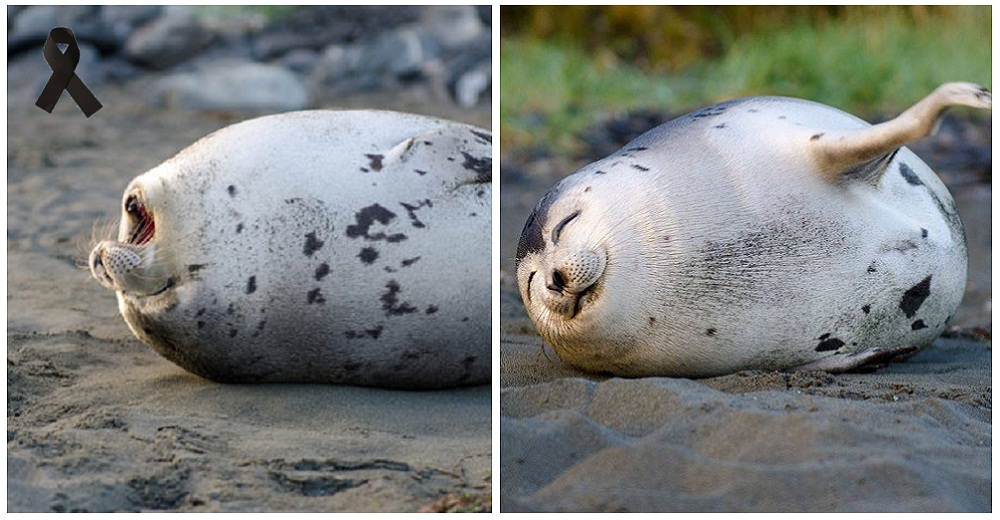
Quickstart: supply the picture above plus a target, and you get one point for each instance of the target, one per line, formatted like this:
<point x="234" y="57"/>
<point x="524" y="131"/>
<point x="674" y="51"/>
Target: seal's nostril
<point x="558" y="283"/>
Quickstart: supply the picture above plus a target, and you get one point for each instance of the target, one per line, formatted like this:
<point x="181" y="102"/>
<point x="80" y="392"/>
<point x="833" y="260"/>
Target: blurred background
<point x="578" y="82"/>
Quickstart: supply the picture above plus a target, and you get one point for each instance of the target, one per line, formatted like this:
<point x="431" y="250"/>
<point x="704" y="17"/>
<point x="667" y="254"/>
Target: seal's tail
<point x="846" y="152"/>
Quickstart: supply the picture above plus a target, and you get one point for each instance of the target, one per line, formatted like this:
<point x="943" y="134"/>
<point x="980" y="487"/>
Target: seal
<point x="347" y="247"/>
<point x="763" y="233"/>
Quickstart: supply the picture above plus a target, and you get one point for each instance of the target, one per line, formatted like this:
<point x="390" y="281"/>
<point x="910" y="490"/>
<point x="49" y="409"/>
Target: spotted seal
<point x="762" y="233"/>
<point x="318" y="246"/>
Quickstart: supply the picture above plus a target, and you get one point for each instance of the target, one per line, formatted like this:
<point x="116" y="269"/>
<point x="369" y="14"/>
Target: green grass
<point x="550" y="91"/>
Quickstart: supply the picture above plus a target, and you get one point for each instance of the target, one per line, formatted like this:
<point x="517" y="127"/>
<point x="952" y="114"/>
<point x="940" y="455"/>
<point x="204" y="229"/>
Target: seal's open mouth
<point x="143" y="227"/>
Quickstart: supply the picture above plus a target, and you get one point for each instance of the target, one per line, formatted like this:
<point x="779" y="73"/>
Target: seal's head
<point x="561" y="261"/>
<point x="133" y="264"/>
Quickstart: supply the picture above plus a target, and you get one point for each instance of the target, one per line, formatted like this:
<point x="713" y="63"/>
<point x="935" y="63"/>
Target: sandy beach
<point x="912" y="436"/>
<point x="96" y="421"/>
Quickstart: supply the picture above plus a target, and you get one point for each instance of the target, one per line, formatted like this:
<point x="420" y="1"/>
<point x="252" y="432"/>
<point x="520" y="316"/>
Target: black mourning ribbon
<point x="64" y="76"/>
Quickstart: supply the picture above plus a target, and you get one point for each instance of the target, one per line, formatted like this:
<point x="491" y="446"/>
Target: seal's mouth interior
<point x="143" y="227"/>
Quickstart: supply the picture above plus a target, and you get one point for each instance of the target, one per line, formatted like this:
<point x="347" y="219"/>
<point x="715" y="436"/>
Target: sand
<point x="96" y="421"/>
<point x="913" y="436"/>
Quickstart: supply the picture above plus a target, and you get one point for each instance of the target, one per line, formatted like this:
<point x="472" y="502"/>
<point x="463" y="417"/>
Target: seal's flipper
<point x="843" y="152"/>
<point x="434" y="154"/>
<point x="864" y="361"/>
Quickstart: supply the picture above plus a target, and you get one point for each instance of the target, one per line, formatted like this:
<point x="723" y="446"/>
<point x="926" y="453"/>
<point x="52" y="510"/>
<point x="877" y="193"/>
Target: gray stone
<point x="452" y="26"/>
<point x="123" y="19"/>
<point x="43" y="18"/>
<point x="167" y="41"/>
<point x="239" y="86"/>
<point x="400" y="54"/>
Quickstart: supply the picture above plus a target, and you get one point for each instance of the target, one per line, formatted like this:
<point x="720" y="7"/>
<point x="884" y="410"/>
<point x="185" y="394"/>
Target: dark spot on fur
<point x="908" y="174"/>
<point x="312" y="244"/>
<point x="816" y="137"/>
<point x="710" y="332"/>
<point x="369" y="333"/>
<point x="829" y="344"/>
<point x="531" y="236"/>
<point x="390" y="301"/>
<point x="782" y="117"/>
<point x="239" y="228"/>
<point x="587" y="189"/>
<point x="252" y="285"/>
<point x="753" y="110"/>
<point x="407" y="262"/>
<point x="201" y="324"/>
<point x="194" y="268"/>
<point x="824" y="336"/>
<point x="600" y="172"/>
<point x="375" y="161"/>
<point x="914" y="297"/>
<point x="923" y="233"/>
<point x="322" y="270"/>
<point x="431" y="309"/>
<point x="232" y="190"/>
<point x="483" y="136"/>
<point x="711" y="111"/>
<point x="652" y="321"/>
<point x="871" y="268"/>
<point x="230" y="309"/>
<point x="148" y="330"/>
<point x="260" y="326"/>
<point x="200" y="312"/>
<point x="412" y="211"/>
<point x="465" y="318"/>
<point x="917" y="325"/>
<point x="368" y="216"/>
<point x="720" y="126"/>
<point x="866" y="309"/>
<point x="421" y="172"/>
<point x="368" y="255"/>
<point x="640" y="168"/>
<point x="315" y="296"/>
<point x="636" y="149"/>
<point x="365" y="170"/>
<point x="483" y="166"/>
<point x="233" y="333"/>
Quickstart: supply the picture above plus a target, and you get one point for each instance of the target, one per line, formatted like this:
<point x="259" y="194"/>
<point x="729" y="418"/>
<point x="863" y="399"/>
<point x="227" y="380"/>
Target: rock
<point x="452" y="26"/>
<point x="240" y="86"/>
<point x="299" y="60"/>
<point x="167" y="41"/>
<point x="469" y="74"/>
<point x="122" y="20"/>
<point x="394" y="56"/>
<point x="43" y="18"/>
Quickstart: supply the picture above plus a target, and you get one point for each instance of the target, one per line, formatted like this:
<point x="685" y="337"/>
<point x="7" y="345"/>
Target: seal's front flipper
<point x="454" y="155"/>
<point x="847" y="152"/>
<point x="865" y="361"/>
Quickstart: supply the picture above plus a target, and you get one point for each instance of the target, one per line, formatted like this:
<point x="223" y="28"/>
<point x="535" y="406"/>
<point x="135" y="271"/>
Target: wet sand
<point x="96" y="421"/>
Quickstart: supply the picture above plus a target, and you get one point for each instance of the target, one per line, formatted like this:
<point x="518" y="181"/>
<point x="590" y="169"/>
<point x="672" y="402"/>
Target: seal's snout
<point x="571" y="279"/>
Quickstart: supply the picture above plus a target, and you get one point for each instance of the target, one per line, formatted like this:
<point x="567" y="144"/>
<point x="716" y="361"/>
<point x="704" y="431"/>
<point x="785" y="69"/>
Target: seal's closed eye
<point x="559" y="227"/>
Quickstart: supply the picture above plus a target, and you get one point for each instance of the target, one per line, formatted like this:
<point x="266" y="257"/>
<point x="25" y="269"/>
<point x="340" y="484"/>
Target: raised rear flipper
<point x="862" y="153"/>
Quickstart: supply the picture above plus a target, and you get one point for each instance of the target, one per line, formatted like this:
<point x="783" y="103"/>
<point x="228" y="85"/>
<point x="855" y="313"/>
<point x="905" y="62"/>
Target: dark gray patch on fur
<point x="866" y="309"/>
<point x="232" y="190"/>
<point x="367" y="333"/>
<point x="829" y="344"/>
<point x="412" y="212"/>
<point x="312" y="244"/>
<point x="315" y="296"/>
<point x="914" y="297"/>
<point x="923" y="233"/>
<point x="421" y="172"/>
<point x="239" y="228"/>
<point x="390" y="301"/>
<point x="710" y="332"/>
<point x="720" y="126"/>
<point x="368" y="255"/>
<point x="375" y="161"/>
<point x="407" y="262"/>
<point x="322" y="270"/>
<point x="252" y="285"/>
<point x="531" y="240"/>
<point x="483" y="137"/>
<point x="816" y="137"/>
<point x="483" y="166"/>
<point x="431" y="309"/>
<point x="368" y="216"/>
<point x="917" y="325"/>
<point x="908" y="174"/>
<point x="640" y="168"/>
<point x="194" y="268"/>
<point x="233" y="333"/>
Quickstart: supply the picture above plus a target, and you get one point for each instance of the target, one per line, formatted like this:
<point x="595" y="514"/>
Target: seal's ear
<point x="866" y="153"/>
<point x="432" y="155"/>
